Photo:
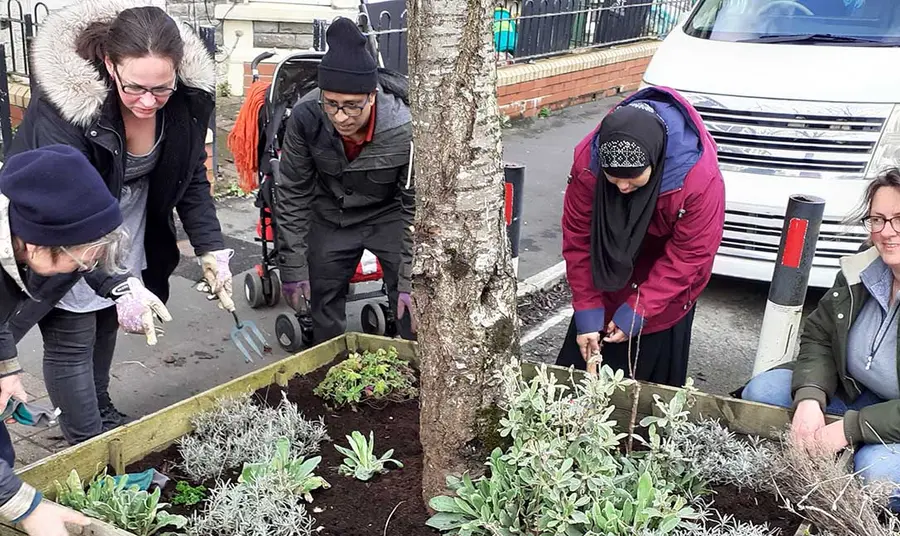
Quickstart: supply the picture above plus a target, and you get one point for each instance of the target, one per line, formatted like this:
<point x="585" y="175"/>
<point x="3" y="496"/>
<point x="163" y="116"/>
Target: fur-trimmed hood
<point x="73" y="85"/>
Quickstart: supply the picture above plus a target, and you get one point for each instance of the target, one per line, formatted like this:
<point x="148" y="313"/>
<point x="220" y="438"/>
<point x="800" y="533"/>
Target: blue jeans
<point x="872" y="461"/>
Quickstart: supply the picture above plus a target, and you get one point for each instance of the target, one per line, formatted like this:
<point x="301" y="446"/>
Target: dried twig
<point x="632" y="368"/>
<point x="386" y="523"/>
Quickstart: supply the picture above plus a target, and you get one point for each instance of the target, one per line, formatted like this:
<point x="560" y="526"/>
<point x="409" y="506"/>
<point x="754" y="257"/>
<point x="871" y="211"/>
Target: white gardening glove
<point x="217" y="274"/>
<point x="138" y="309"/>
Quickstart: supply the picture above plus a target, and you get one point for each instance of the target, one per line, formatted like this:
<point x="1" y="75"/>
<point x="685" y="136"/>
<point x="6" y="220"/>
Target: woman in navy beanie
<point x="132" y="89"/>
<point x="56" y="217"/>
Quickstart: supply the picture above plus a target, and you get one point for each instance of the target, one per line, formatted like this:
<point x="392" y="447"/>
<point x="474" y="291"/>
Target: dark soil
<point x="354" y="508"/>
<point x="350" y="507"/>
<point x="750" y="507"/>
<point x="533" y="309"/>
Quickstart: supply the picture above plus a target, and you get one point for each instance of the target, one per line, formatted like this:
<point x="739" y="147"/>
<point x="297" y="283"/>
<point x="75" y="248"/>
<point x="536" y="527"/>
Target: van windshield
<point x="812" y="22"/>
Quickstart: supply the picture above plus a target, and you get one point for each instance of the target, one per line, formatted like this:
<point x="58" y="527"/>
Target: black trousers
<point x="78" y="354"/>
<point x="663" y="355"/>
<point x="333" y="254"/>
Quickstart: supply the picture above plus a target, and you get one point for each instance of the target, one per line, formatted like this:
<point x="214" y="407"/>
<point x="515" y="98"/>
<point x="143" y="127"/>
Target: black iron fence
<point x="526" y="30"/>
<point x="17" y="29"/>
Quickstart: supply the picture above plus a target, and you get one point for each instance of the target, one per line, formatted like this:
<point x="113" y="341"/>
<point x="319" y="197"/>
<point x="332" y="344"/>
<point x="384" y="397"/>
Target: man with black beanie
<point x="346" y="184"/>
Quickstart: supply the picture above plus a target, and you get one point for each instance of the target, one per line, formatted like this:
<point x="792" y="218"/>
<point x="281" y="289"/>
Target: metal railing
<point x="17" y="29"/>
<point x="525" y="30"/>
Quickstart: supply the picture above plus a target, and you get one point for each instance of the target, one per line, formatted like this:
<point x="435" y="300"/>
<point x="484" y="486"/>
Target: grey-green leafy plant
<point x="293" y="474"/>
<point x="126" y="507"/>
<point x="564" y="473"/>
<point x="237" y="431"/>
<point x="361" y="462"/>
<point x="252" y="508"/>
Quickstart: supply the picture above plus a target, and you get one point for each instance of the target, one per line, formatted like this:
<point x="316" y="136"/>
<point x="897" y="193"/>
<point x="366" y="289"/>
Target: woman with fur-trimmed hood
<point x="132" y="89"/>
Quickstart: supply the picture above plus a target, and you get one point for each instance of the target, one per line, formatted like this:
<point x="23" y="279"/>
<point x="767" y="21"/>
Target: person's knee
<point x="771" y="387"/>
<point x="878" y="463"/>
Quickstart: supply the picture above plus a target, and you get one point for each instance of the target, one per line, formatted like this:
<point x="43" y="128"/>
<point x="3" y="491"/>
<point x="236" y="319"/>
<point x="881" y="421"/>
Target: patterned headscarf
<point x="629" y="140"/>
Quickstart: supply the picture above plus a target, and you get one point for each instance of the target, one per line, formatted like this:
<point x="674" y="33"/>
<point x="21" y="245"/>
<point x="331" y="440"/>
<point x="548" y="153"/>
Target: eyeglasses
<point x="82" y="266"/>
<point x="350" y="110"/>
<point x="875" y="224"/>
<point x="135" y="89"/>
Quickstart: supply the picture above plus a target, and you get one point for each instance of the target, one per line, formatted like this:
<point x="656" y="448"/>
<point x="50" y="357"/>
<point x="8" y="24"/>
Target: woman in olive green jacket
<point x="848" y="362"/>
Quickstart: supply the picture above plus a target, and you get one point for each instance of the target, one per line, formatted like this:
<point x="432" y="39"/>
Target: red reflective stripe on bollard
<point x="793" y="245"/>
<point x="508" y="203"/>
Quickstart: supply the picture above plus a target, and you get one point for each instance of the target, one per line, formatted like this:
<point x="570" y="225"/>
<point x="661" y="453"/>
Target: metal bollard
<point x="784" y="308"/>
<point x="514" y="175"/>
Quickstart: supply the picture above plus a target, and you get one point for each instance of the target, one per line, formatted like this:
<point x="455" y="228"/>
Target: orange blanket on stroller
<point x="243" y="140"/>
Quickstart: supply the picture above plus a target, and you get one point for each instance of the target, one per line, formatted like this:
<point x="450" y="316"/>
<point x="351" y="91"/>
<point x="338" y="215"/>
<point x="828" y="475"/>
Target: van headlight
<point x="887" y="152"/>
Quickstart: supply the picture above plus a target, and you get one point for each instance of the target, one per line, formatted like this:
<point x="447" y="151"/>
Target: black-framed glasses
<point x="350" y="110"/>
<point x="135" y="89"/>
<point x="875" y="224"/>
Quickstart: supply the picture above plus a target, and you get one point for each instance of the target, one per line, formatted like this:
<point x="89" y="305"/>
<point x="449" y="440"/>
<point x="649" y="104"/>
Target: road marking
<point x="562" y="314"/>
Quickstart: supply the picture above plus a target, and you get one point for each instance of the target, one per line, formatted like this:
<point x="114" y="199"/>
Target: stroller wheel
<point x="289" y="332"/>
<point x="273" y="295"/>
<point x="390" y="324"/>
<point x="253" y="290"/>
<point x="373" y="319"/>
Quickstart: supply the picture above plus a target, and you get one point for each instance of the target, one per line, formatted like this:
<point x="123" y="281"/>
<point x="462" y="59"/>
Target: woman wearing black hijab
<point x="642" y="221"/>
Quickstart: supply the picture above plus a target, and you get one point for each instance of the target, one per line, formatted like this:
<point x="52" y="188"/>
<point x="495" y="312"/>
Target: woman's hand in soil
<point x="615" y="334"/>
<point x="11" y="387"/>
<point x="831" y="437"/>
<point x="49" y="519"/>
<point x="589" y="344"/>
<point x="808" y="419"/>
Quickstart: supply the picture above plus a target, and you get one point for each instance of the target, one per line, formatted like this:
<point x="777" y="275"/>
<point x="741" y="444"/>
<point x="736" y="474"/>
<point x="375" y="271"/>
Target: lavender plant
<point x="563" y="474"/>
<point x="237" y="431"/>
<point x="258" y="507"/>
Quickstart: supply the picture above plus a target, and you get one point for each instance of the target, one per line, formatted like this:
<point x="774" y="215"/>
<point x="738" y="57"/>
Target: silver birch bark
<point x="464" y="287"/>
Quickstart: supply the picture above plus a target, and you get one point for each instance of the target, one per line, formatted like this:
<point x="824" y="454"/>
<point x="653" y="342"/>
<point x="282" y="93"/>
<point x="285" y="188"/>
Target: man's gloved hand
<point x="217" y="273"/>
<point x="138" y="308"/>
<point x="404" y="304"/>
<point x="293" y="290"/>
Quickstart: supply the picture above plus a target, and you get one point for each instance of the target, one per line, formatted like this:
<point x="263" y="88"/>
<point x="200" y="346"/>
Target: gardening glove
<point x="217" y="274"/>
<point x="404" y="304"/>
<point x="138" y="309"/>
<point x="29" y="414"/>
<point x="150" y="477"/>
<point x="293" y="290"/>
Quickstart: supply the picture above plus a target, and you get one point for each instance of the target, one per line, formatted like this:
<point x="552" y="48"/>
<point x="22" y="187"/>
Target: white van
<point x="802" y="97"/>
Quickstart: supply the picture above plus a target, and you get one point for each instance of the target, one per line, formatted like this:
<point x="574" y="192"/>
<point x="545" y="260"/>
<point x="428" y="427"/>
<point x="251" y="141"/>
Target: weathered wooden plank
<point x="741" y="416"/>
<point x="158" y="430"/>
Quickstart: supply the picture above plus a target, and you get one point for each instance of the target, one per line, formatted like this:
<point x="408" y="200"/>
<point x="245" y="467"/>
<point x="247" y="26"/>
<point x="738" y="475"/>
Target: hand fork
<point x="242" y="330"/>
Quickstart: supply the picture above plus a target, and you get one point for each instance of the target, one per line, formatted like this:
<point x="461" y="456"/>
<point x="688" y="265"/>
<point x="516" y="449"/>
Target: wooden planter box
<point x="157" y="431"/>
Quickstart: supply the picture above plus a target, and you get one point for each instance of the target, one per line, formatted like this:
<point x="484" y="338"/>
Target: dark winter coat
<point x="14" y="496"/>
<point x="318" y="181"/>
<point x="73" y="104"/>
<point x="820" y="371"/>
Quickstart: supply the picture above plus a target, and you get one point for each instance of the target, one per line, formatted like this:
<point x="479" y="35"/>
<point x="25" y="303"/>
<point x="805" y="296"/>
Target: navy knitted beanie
<point x="57" y="198"/>
<point x="348" y="66"/>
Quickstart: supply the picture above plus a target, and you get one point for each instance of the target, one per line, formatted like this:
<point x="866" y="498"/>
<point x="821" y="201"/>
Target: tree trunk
<point x="464" y="287"/>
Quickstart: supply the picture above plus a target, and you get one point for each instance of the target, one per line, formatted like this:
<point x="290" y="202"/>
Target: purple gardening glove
<point x="404" y="304"/>
<point x="292" y="290"/>
<point x="138" y="308"/>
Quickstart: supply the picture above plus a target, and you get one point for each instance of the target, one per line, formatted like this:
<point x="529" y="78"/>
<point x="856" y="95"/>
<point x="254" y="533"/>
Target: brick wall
<point x="524" y="90"/>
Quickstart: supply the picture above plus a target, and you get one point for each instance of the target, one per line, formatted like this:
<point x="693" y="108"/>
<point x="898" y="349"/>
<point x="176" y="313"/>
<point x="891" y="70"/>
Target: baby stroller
<point x="293" y="78"/>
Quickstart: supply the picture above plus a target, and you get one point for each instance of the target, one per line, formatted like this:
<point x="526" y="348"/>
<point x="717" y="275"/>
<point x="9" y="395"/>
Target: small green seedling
<point x="296" y="474"/>
<point x="187" y="494"/>
<point x="360" y="462"/>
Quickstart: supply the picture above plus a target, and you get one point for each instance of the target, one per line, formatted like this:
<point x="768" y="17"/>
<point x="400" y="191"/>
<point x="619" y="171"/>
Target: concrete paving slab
<point x="29" y="452"/>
